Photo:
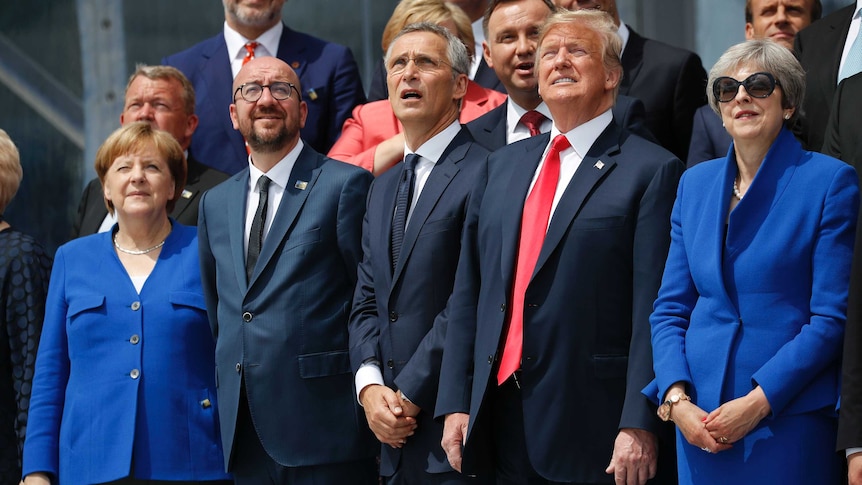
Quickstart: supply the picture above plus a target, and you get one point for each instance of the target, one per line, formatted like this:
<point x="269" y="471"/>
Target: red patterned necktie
<point x="534" y="226"/>
<point x="249" y="52"/>
<point x="533" y="121"/>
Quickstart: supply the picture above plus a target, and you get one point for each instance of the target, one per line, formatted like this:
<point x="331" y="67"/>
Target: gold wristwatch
<point x="666" y="407"/>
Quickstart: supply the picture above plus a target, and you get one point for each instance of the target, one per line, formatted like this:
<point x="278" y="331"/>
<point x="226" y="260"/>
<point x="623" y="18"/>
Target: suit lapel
<point x="236" y="223"/>
<point x="305" y="170"/>
<point x="290" y="48"/>
<point x="512" y="207"/>
<point x="217" y="80"/>
<point x="838" y="31"/>
<point x="441" y="175"/>
<point x="587" y="176"/>
<point x="632" y="61"/>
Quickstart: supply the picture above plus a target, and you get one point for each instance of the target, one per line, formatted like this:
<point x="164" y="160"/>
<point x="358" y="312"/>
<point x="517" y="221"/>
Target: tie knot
<point x="263" y="183"/>
<point x="410" y="161"/>
<point x="250" y="47"/>
<point x="533" y="121"/>
<point x="560" y="143"/>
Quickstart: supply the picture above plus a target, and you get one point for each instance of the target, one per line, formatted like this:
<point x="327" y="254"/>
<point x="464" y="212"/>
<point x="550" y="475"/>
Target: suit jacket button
<point x="390" y="363"/>
<point x="393" y="317"/>
<point x="247" y="316"/>
<point x="135" y="339"/>
<point x="135" y="374"/>
<point x="238" y="367"/>
<point x="136" y="305"/>
<point x="503" y="308"/>
<point x="206" y="403"/>
<point x="490" y="360"/>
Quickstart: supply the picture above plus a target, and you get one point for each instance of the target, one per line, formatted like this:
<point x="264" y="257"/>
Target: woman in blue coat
<point x="748" y="325"/>
<point x="124" y="390"/>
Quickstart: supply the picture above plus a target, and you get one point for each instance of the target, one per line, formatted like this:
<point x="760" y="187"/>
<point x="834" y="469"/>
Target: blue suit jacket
<point x="393" y="318"/>
<point x="586" y="330"/>
<point x="283" y="333"/>
<point x="709" y="139"/>
<point x="330" y="81"/>
<point x="489" y="130"/>
<point x="784" y="283"/>
<point x="89" y="414"/>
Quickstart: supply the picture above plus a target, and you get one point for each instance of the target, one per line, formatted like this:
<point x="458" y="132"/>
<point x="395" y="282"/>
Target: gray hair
<point x="767" y="56"/>
<point x="456" y="51"/>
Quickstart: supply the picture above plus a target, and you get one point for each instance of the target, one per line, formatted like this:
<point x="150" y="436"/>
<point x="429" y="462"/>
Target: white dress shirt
<point x="852" y="33"/>
<point x="236" y="45"/>
<point x="515" y="130"/>
<point x="478" y="38"/>
<point x="280" y="176"/>
<point x="581" y="139"/>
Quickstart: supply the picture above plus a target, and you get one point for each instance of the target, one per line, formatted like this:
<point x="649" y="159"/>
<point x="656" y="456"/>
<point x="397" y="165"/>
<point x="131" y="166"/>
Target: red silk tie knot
<point x="533" y="121"/>
<point x="249" y="52"/>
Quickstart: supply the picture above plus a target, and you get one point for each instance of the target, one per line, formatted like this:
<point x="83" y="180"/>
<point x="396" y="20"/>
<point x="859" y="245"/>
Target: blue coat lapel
<point x="216" y="80"/>
<point x="290" y="48"/>
<point x="768" y="186"/>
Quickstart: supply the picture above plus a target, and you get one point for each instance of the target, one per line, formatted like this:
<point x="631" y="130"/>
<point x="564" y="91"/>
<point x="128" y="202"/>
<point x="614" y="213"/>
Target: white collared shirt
<point x="624" y="34"/>
<point x="280" y="176"/>
<point x="852" y="33"/>
<point x="581" y="138"/>
<point x="429" y="153"/>
<point x="236" y="45"/>
<point x="515" y="130"/>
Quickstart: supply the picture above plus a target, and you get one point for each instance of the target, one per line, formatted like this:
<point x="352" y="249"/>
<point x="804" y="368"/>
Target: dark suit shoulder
<point x="190" y="55"/>
<point x="203" y="177"/>
<point x="310" y="42"/>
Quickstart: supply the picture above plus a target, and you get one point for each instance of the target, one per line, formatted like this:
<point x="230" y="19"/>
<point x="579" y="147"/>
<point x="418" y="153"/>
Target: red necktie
<point x="533" y="121"/>
<point x="249" y="52"/>
<point x="534" y="225"/>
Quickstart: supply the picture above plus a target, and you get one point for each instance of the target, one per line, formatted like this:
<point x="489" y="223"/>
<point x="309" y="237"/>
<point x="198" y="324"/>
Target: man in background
<point x="327" y="71"/>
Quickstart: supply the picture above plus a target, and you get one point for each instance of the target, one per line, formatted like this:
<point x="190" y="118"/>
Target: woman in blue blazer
<point x="125" y="377"/>
<point x="748" y="325"/>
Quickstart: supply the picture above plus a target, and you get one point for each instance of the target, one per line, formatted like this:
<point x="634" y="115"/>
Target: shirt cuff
<point x="851" y="451"/>
<point x="368" y="375"/>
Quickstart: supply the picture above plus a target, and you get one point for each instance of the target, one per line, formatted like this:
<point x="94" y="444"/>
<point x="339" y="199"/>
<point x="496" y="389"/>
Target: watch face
<point x="664" y="411"/>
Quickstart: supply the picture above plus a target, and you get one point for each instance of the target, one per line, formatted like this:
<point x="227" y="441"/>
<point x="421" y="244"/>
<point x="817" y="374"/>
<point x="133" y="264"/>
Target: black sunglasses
<point x="758" y="85"/>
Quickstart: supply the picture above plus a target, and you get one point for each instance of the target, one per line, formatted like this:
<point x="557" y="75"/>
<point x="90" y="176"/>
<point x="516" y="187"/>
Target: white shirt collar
<point x="584" y="136"/>
<point x="236" y="43"/>
<point x="514" y="112"/>
<point x="624" y="34"/>
<point x="433" y="149"/>
<point x="280" y="173"/>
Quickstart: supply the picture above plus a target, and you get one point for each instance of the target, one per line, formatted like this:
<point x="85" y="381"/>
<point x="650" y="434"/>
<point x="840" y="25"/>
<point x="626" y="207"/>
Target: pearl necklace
<point x="736" y="191"/>
<point x="138" y="252"/>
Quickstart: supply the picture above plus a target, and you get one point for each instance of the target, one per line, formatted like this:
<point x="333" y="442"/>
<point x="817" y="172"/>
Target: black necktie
<point x="255" y="236"/>
<point x="402" y="205"/>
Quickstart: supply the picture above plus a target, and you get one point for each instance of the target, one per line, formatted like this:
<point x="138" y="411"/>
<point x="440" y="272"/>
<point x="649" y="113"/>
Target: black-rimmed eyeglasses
<point x="758" y="85"/>
<point x="252" y="92"/>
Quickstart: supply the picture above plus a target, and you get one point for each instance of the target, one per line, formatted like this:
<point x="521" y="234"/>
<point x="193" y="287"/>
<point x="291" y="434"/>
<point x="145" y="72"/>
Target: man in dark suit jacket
<point x="819" y="49"/>
<point x="395" y="339"/>
<point x="584" y="302"/>
<point x="329" y="75"/>
<point x="764" y="19"/>
<point x="843" y="140"/>
<point x="163" y="96"/>
<point x="279" y="245"/>
<point x="510" y="48"/>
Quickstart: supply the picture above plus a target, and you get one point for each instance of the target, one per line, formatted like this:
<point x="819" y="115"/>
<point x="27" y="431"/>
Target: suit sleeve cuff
<point x="368" y="374"/>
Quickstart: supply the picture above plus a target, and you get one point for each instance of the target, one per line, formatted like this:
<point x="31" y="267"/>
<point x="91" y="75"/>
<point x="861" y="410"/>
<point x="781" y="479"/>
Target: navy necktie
<point x="402" y="205"/>
<point x="255" y="236"/>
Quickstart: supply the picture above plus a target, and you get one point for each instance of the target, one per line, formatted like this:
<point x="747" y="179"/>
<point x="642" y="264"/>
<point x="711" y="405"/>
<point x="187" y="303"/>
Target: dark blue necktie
<point x="255" y="236"/>
<point x="402" y="205"/>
